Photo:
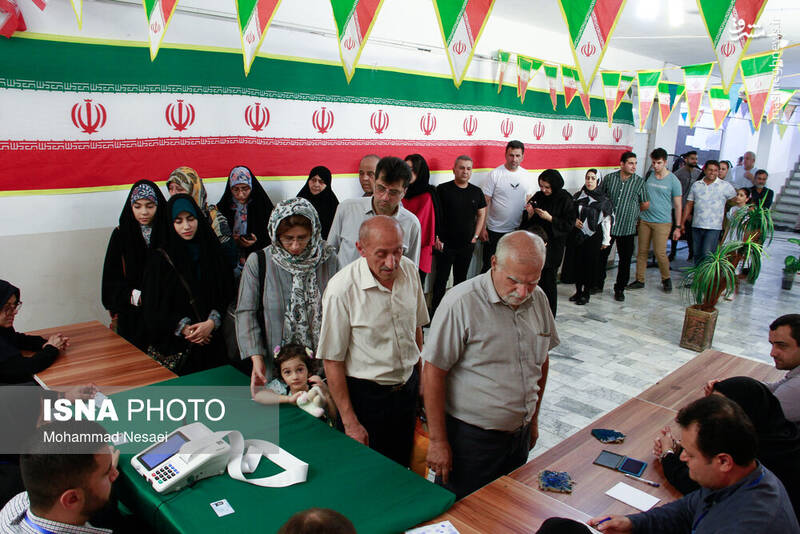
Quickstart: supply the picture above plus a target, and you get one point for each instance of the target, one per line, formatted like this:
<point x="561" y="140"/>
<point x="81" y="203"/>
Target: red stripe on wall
<point x="66" y="165"/>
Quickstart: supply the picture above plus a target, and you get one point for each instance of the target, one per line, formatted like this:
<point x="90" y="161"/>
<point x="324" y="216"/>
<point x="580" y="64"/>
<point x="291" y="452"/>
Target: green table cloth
<point x="375" y="493"/>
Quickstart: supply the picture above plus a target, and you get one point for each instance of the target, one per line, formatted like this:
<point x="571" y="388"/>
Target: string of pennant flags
<point x="731" y="26"/>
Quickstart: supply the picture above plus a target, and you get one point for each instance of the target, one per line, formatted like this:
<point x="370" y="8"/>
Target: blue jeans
<point x="704" y="242"/>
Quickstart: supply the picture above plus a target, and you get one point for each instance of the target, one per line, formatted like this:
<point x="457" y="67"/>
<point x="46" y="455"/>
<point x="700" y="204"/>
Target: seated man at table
<point x="66" y="483"/>
<point x="784" y="336"/>
<point x="737" y="494"/>
<point x="318" y="521"/>
<point x="14" y="367"/>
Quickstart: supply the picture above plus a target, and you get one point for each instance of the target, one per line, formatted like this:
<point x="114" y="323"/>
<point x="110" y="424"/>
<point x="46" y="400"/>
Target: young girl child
<point x="294" y="363"/>
<point x="740" y="202"/>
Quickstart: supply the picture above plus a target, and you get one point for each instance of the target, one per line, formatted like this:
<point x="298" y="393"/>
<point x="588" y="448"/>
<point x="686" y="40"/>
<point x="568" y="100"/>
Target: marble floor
<point x="611" y="351"/>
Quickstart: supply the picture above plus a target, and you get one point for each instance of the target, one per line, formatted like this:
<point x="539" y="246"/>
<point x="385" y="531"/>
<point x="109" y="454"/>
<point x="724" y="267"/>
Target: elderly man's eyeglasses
<point x="394" y="193"/>
<point x="11" y="309"/>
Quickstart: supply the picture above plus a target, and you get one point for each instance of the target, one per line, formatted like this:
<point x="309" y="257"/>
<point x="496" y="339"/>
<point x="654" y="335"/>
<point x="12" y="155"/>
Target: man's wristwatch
<point x="475" y="236"/>
<point x="666" y="453"/>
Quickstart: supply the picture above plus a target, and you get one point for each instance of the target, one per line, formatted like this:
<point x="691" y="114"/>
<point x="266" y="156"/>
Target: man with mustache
<point x="372" y="315"/>
<point x="486" y="362"/>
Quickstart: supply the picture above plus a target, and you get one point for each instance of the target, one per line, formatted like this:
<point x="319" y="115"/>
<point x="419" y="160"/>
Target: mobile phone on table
<point x="620" y="463"/>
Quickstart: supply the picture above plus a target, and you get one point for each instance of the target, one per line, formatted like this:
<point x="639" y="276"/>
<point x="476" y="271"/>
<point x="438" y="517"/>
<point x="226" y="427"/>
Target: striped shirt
<point x="16" y="517"/>
<point x="625" y="196"/>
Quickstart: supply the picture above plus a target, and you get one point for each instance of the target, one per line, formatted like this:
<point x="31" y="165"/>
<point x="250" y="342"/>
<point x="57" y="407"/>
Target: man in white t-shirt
<point x="507" y="189"/>
<point x="743" y="176"/>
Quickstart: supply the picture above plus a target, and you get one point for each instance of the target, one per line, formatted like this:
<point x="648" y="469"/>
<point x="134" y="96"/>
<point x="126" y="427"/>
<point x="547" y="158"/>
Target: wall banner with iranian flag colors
<point x="461" y="23"/>
<point x="158" y="13"/>
<point x="669" y="93"/>
<point x="254" y="17"/>
<point x="74" y="127"/>
<point x="502" y="65"/>
<point x="569" y="80"/>
<point x="720" y="105"/>
<point x="590" y="24"/>
<point x="648" y="87"/>
<point x="729" y="24"/>
<point x="695" y="78"/>
<point x="354" y="21"/>
<point x="758" y="74"/>
<point x="610" y="87"/>
<point x="624" y="84"/>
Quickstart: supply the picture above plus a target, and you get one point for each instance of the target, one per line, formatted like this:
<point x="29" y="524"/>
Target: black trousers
<point x="489" y="249"/>
<point x="456" y="258"/>
<point x="481" y="456"/>
<point x="388" y="413"/>
<point x="547" y="281"/>
<point x="588" y="269"/>
<point x="625" y="244"/>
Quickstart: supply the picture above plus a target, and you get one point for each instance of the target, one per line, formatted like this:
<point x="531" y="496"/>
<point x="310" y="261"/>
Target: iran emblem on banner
<point x="696" y="78"/>
<point x="624" y="84"/>
<point x="254" y="17"/>
<point x="526" y="70"/>
<point x="720" y="105"/>
<point x="158" y="13"/>
<point x="758" y="74"/>
<point x="10" y="18"/>
<point x="777" y="101"/>
<point x="461" y="23"/>
<point x="648" y="87"/>
<point x="354" y="21"/>
<point x="590" y="25"/>
<point x="502" y="60"/>
<point x="610" y="87"/>
<point x="669" y="93"/>
<point x="569" y="79"/>
<point x="729" y="24"/>
<point x="551" y="74"/>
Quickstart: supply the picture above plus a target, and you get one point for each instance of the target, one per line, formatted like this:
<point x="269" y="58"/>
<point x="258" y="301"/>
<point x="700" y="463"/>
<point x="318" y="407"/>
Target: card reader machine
<point x="168" y="469"/>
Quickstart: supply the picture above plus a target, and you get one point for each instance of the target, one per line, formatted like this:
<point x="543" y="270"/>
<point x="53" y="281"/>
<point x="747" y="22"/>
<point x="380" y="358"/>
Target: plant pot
<point x="788" y="279"/>
<point x="698" y="328"/>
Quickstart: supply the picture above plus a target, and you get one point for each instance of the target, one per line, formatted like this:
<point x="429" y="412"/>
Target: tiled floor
<point x="611" y="351"/>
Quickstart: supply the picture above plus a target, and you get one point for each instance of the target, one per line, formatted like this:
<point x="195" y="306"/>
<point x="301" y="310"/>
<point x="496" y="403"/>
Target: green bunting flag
<point x="354" y="21"/>
<point x="669" y="93"/>
<point x="527" y="68"/>
<point x="461" y="23"/>
<point x="696" y="78"/>
<point x="777" y="101"/>
<point x="551" y="74"/>
<point x="610" y="87"/>
<point x="502" y="59"/>
<point x="720" y="105"/>
<point x="158" y="13"/>
<point x="625" y="83"/>
<point x="254" y="17"/>
<point x="569" y="80"/>
<point x="648" y="87"/>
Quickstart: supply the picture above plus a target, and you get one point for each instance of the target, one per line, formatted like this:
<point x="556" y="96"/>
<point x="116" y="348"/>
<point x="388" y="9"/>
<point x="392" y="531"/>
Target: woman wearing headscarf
<point x="280" y="293"/>
<point x="247" y="207"/>
<point x="141" y="225"/>
<point x="187" y="286"/>
<point x="14" y="367"/>
<point x="186" y="180"/>
<point x="552" y="209"/>
<point x="317" y="190"/>
<point x="778" y="438"/>
<point x="420" y="199"/>
<point x="590" y="234"/>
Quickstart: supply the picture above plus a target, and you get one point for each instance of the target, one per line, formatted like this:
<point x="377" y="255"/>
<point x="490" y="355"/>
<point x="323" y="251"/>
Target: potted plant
<point x="791" y="266"/>
<point x="715" y="277"/>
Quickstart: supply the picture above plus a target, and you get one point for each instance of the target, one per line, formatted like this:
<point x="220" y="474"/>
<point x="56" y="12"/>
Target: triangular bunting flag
<point x="551" y="73"/>
<point x="648" y="86"/>
<point x="781" y="128"/>
<point x="696" y="79"/>
<point x="590" y="24"/>
<point x="758" y="73"/>
<point x="569" y="79"/>
<point x="586" y="102"/>
<point x="624" y="84"/>
<point x="668" y="95"/>
<point x="158" y="13"/>
<point x="502" y="59"/>
<point x="10" y="18"/>
<point x="461" y="24"/>
<point x="526" y="70"/>
<point x="77" y="7"/>
<point x="720" y="105"/>
<point x="354" y="21"/>
<point x="734" y="96"/>
<point x="777" y="101"/>
<point x="254" y="17"/>
<point x="729" y="24"/>
<point x="41" y="4"/>
<point x="610" y="86"/>
<point x="788" y="112"/>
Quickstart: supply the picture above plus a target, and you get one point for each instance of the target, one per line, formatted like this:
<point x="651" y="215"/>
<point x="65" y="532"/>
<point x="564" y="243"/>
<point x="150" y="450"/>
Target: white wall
<point x="784" y="154"/>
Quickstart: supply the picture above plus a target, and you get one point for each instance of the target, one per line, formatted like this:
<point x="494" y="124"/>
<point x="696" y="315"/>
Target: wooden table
<point x="514" y="503"/>
<point x="97" y="355"/>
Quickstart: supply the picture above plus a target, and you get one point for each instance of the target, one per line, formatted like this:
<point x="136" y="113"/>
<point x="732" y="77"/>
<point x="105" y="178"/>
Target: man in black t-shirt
<point x="463" y="213"/>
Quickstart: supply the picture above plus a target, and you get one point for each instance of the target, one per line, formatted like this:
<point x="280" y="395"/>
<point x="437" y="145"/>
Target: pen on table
<point x="640" y="479"/>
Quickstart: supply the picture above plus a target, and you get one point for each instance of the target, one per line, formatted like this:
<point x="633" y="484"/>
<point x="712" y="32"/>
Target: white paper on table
<point x="445" y="527"/>
<point x="632" y="496"/>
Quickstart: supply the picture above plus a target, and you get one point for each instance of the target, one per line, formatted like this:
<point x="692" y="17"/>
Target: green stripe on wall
<point x="79" y="67"/>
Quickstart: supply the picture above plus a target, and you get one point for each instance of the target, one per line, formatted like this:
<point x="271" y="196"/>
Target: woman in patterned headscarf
<point x="140" y="227"/>
<point x="247" y="207"/>
<point x="186" y="180"/>
<point x="280" y="293"/>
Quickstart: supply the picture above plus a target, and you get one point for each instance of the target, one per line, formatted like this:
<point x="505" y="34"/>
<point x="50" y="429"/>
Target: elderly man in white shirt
<point x="372" y="316"/>
<point x="389" y="185"/>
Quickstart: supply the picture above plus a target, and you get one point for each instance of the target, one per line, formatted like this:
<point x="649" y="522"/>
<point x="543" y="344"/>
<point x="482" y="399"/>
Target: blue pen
<point x="603" y="521"/>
